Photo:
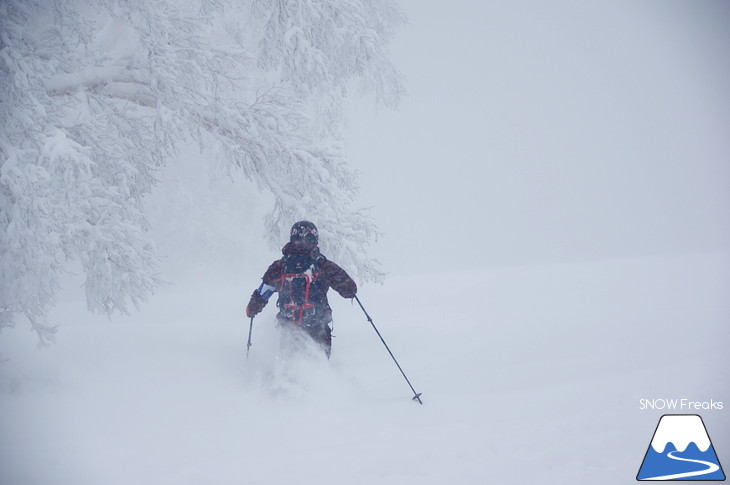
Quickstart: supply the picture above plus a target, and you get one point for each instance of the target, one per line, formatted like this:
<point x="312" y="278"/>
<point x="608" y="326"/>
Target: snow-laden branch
<point x="98" y="96"/>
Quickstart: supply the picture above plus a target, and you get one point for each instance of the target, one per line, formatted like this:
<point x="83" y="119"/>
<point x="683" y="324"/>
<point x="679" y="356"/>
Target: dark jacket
<point x="330" y="276"/>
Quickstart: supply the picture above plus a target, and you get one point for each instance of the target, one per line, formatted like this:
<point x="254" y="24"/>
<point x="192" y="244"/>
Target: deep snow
<point x="529" y="374"/>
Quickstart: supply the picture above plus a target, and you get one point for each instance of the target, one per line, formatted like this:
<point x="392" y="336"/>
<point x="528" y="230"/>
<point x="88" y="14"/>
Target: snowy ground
<point x="529" y="375"/>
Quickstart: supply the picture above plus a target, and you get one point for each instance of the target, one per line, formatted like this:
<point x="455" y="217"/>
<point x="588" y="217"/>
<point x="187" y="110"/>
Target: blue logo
<point x="680" y="450"/>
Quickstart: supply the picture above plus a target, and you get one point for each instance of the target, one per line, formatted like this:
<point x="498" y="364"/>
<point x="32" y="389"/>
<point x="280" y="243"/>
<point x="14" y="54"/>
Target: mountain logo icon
<point x="680" y="450"/>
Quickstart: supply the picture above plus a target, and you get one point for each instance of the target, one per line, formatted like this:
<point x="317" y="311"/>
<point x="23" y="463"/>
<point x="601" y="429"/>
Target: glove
<point x="255" y="305"/>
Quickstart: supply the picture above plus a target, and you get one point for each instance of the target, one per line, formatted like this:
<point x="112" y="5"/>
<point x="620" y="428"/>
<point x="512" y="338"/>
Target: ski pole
<point x="416" y="395"/>
<point x="248" y="345"/>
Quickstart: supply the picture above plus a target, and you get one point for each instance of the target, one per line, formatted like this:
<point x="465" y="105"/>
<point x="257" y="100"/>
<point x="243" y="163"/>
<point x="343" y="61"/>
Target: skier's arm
<point x="260" y="296"/>
<point x="339" y="280"/>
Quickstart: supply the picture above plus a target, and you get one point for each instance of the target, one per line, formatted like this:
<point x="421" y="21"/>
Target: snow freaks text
<point x="679" y="404"/>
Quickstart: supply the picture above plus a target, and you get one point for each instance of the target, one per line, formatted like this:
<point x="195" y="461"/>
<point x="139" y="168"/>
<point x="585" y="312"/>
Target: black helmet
<point x="304" y="230"/>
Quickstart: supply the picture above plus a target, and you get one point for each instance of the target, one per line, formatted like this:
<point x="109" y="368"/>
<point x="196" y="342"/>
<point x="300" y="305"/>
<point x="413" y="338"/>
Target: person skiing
<point x="302" y="278"/>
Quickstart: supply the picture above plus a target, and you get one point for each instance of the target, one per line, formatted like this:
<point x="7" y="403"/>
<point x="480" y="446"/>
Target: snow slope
<point x="529" y="375"/>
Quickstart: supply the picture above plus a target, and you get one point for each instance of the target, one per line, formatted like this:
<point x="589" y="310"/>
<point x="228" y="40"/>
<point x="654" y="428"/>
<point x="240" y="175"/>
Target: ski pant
<point x="320" y="332"/>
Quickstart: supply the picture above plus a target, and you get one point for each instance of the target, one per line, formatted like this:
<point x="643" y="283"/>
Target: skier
<point x="302" y="278"/>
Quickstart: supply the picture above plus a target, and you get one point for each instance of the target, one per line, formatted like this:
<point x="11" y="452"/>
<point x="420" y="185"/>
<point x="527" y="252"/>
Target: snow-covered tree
<point x="97" y="96"/>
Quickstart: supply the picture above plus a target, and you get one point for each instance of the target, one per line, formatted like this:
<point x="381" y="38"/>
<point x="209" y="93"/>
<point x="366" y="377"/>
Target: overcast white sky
<point x="550" y="131"/>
